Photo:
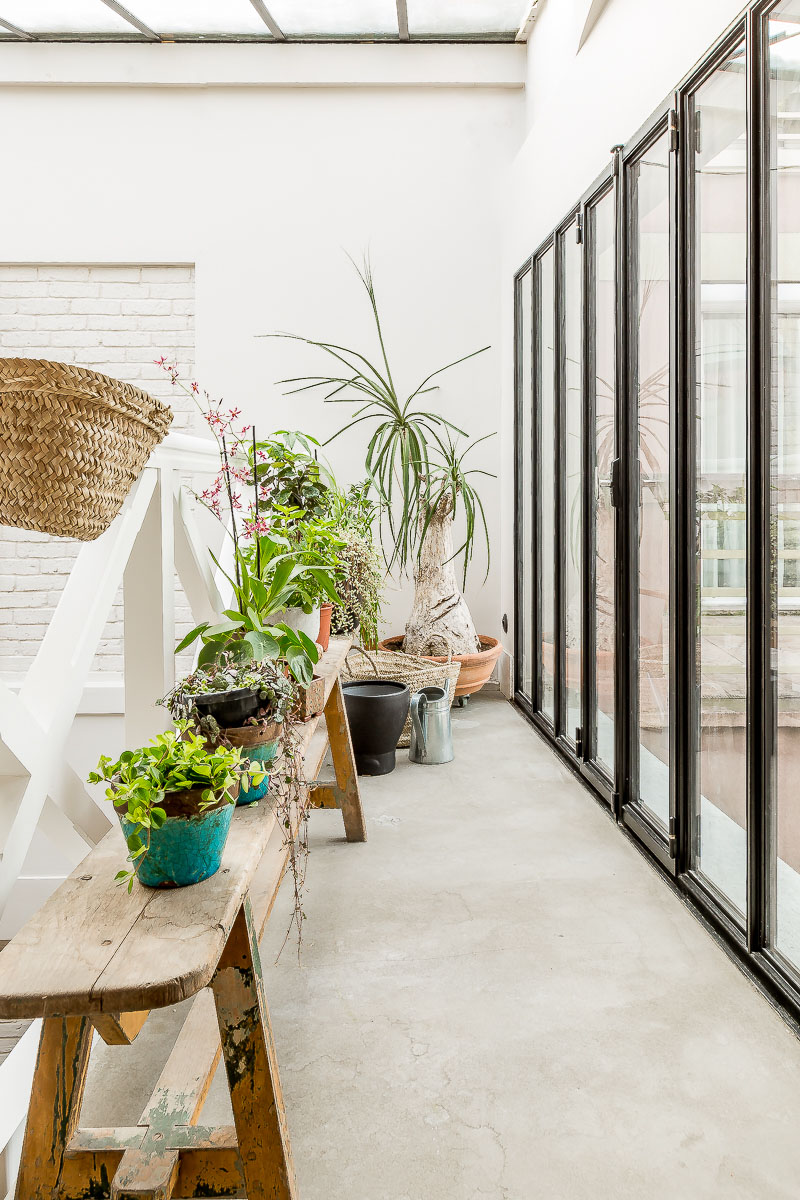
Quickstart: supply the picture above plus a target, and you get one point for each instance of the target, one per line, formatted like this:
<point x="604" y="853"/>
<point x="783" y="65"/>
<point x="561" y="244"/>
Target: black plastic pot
<point x="376" y="712"/>
<point x="228" y="708"/>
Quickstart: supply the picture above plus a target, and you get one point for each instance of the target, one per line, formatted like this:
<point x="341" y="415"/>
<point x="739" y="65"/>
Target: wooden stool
<point x="96" y="958"/>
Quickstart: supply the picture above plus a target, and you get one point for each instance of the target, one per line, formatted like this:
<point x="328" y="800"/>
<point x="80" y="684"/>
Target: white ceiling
<point x="262" y="20"/>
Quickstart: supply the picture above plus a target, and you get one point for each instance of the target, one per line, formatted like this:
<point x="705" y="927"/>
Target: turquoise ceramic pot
<point x="189" y="845"/>
<point x="260" y="745"/>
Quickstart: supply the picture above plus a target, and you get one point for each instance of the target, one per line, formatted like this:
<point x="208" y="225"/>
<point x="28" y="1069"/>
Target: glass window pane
<point x="651" y="378"/>
<point x="308" y="18"/>
<point x="205" y="17"/>
<point x="438" y="18"/>
<point x="525" y="434"/>
<point x="720" y="340"/>
<point x="602" y="240"/>
<point x="546" y="401"/>
<point x="784" y="126"/>
<point x="56" y="16"/>
<point x="572" y="516"/>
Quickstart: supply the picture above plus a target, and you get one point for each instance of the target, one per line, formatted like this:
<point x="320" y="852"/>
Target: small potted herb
<point x="256" y="732"/>
<point x="174" y="798"/>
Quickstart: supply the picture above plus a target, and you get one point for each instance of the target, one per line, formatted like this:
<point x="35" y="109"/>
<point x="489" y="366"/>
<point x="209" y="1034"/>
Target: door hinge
<point x="614" y="488"/>
<point x="579" y="743"/>
<point x="673" y="838"/>
<point x="672" y="129"/>
<point x="579" y="229"/>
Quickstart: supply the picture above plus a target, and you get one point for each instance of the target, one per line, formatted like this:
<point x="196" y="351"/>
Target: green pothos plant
<point x="177" y="761"/>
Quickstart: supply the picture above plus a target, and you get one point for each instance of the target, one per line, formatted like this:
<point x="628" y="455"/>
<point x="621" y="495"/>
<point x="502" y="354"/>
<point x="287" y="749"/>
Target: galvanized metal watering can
<point x="431" y="734"/>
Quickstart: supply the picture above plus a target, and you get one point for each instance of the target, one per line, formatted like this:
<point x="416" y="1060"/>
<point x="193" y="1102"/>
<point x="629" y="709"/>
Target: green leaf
<point x="191" y="637"/>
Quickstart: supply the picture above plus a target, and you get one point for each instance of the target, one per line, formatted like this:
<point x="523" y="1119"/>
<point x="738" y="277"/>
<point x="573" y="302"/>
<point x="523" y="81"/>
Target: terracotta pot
<point x="324" y="635"/>
<point x="476" y="669"/>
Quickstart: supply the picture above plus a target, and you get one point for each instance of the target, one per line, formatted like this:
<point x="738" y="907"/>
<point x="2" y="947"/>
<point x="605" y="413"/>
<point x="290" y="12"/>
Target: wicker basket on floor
<point x="412" y="669"/>
<point x="72" y="444"/>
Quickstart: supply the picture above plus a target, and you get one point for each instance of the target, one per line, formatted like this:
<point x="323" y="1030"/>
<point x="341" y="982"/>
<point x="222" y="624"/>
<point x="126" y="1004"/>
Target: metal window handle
<point x="419" y="701"/>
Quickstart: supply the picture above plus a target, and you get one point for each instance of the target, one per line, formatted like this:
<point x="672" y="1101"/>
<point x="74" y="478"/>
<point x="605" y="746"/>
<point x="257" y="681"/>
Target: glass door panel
<point x="524" y="426"/>
<point x="718" y="187"/>
<point x="571" y="350"/>
<point x="783" y="49"/>
<point x="649" y="181"/>
<point x="546" y="413"/>
<point x="601" y="349"/>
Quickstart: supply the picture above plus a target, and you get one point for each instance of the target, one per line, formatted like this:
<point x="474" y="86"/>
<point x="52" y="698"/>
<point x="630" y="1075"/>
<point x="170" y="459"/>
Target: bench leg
<point x="252" y="1067"/>
<point x="344" y="765"/>
<point x="58" y="1084"/>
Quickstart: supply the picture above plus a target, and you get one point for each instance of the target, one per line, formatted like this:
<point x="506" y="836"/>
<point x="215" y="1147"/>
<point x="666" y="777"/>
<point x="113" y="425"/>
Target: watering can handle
<point x="419" y="701"/>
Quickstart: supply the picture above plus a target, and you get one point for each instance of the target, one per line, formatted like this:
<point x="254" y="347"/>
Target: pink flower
<point x="255" y="526"/>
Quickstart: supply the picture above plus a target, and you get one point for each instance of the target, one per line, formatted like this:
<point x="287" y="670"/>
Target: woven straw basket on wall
<point x="412" y="669"/>
<point x="72" y="444"/>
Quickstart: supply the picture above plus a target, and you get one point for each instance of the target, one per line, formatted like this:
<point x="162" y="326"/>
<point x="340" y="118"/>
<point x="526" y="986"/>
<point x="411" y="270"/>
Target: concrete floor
<point x="500" y="1000"/>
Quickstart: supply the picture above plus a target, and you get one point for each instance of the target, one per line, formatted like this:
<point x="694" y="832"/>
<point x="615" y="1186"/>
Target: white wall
<point x="264" y="187"/>
<point x="579" y="103"/>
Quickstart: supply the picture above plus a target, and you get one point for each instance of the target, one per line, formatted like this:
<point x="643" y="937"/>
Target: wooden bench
<point x="96" y="958"/>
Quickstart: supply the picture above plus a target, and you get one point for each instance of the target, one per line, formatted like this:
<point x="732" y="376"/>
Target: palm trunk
<point x="440" y="619"/>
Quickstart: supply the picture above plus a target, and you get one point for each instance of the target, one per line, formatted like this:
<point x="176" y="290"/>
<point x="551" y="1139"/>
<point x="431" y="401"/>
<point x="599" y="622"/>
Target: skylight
<point x="262" y="20"/>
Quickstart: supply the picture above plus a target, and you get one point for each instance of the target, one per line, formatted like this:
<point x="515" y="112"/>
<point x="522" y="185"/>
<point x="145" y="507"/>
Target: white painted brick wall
<point x="116" y="320"/>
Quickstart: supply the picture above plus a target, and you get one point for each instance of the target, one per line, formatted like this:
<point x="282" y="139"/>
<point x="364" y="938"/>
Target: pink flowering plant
<point x="271" y="570"/>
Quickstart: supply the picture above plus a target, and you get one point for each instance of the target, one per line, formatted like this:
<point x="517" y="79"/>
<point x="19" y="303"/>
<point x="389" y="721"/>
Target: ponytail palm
<point x="414" y="460"/>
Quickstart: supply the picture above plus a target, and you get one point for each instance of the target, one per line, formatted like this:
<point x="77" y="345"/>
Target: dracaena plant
<point x="415" y="462"/>
<point x="176" y="761"/>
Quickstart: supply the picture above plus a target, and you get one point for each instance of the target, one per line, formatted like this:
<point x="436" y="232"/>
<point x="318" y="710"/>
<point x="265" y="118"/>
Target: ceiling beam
<point x="268" y="19"/>
<point x="402" y="20"/>
<point x="526" y="24"/>
<point x="20" y="33"/>
<point x="123" y="12"/>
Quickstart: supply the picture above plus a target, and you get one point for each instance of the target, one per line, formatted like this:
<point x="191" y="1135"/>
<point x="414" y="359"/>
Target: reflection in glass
<point x="546" y="398"/>
<point x="720" y="333"/>
<point x="525" y="615"/>
<point x="602" y="240"/>
<point x="651" y="362"/>
<point x="784" y="148"/>
<point x="572" y="516"/>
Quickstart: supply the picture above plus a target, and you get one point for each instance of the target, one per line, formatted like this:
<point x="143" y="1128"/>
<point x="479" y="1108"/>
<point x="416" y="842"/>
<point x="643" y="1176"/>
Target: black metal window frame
<point x="674" y="851"/>
<point x="523" y="394"/>
<point x="596" y="772"/>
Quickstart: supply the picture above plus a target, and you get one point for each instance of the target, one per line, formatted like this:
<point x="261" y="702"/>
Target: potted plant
<point x="256" y="729"/>
<point x="261" y="484"/>
<point x="174" y="798"/>
<point x="416" y="463"/>
<point x="311" y="548"/>
<point x="315" y="546"/>
<point x="243" y="633"/>
<point x="360" y="579"/>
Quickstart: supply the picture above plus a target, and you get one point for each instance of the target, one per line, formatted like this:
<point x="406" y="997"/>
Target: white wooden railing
<point x="41" y="788"/>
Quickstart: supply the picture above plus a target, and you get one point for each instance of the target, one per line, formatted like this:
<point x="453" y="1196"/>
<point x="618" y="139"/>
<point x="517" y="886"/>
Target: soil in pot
<point x="324" y="635"/>
<point x="229" y="709"/>
<point x="376" y="712"/>
<point x="260" y="744"/>
<point x="189" y="845"/>
<point x="476" y="669"/>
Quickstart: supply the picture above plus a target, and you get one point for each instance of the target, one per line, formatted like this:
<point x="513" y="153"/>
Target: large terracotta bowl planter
<point x="476" y="669"/>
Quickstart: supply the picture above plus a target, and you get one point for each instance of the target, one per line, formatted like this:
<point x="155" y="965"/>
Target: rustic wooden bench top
<point x="93" y="948"/>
